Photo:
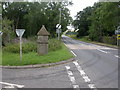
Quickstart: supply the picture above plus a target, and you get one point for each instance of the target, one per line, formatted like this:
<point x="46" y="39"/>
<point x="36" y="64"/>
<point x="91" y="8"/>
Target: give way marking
<point x="10" y="85"/>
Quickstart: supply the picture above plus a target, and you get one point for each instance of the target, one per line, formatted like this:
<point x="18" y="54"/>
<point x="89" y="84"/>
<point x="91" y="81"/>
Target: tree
<point x="105" y="20"/>
<point x="82" y="21"/>
<point x="32" y="16"/>
<point x="8" y="33"/>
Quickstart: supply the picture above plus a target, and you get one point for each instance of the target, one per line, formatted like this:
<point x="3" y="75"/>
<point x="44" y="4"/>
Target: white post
<point x="20" y="33"/>
<point x="20" y="48"/>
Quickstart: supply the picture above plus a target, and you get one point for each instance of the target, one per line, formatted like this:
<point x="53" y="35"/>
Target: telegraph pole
<point x="59" y="24"/>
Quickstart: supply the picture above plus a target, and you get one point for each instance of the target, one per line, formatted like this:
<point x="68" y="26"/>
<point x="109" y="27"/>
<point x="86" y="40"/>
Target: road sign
<point x="58" y="26"/>
<point x="58" y="30"/>
<point x="118" y="30"/>
<point x="1" y="32"/>
<point x="118" y="36"/>
<point x="20" y="33"/>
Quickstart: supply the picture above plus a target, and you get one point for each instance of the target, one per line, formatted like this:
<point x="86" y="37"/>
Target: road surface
<point x="94" y="67"/>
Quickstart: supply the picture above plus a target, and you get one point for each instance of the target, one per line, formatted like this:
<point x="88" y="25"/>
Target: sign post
<point x="58" y="30"/>
<point x="117" y="32"/>
<point x="1" y="39"/>
<point x="20" y="33"/>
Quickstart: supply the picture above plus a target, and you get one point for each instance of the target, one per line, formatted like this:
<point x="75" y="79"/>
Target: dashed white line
<point x="73" y="53"/>
<point x="82" y="72"/>
<point x="75" y="86"/>
<point x="102" y="51"/>
<point x="117" y="56"/>
<point x="12" y="85"/>
<point x="71" y="77"/>
<point x="84" y="76"/>
<point x="91" y="85"/>
<point x="70" y="73"/>
<point x="67" y="67"/>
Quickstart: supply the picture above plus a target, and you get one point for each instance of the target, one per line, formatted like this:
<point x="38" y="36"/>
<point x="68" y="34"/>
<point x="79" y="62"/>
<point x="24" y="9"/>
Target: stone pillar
<point x="42" y="41"/>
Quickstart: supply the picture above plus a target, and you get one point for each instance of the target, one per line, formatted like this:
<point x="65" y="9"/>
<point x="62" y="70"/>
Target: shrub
<point x="26" y="47"/>
<point x="54" y="45"/>
<point x="109" y="40"/>
<point x="32" y="46"/>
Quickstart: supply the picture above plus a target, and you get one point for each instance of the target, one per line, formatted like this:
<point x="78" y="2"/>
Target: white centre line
<point x="102" y="51"/>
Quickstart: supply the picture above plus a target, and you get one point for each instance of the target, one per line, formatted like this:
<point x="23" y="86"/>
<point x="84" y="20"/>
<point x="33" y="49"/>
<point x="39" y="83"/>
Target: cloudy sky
<point x="79" y="5"/>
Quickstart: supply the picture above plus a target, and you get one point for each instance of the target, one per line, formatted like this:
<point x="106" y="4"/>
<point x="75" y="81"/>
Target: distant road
<point x="94" y="67"/>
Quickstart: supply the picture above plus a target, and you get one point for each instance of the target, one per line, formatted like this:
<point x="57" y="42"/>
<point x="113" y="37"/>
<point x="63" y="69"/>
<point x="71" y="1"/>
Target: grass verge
<point x="89" y="41"/>
<point x="31" y="58"/>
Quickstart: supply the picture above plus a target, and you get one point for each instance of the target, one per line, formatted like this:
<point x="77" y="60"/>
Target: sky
<point x="79" y="5"/>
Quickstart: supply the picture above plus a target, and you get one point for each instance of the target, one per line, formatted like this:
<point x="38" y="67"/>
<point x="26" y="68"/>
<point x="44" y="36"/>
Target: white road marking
<point x="75" y="86"/>
<point x="70" y="73"/>
<point x="73" y="53"/>
<point x="91" y="85"/>
<point x="82" y="72"/>
<point x="102" y="51"/>
<point x="67" y="67"/>
<point x="71" y="77"/>
<point x="117" y="56"/>
<point x="75" y="62"/>
<point x="65" y="44"/>
<point x="12" y="85"/>
<point x="9" y="87"/>
<point x="84" y="76"/>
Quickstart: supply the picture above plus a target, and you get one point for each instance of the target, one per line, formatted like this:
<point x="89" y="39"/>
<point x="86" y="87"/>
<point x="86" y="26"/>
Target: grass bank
<point x="85" y="39"/>
<point x="31" y="58"/>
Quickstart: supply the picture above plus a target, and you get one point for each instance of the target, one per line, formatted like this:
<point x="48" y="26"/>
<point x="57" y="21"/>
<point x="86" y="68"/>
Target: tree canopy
<point x="102" y="19"/>
<point x="31" y="16"/>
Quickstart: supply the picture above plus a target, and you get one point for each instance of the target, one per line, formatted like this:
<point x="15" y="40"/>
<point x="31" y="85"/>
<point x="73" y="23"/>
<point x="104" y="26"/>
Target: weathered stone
<point x="42" y="41"/>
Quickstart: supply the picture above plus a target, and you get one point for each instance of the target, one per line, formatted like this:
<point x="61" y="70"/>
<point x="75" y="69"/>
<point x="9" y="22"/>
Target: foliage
<point x="32" y="58"/>
<point x="32" y="15"/>
<point x="54" y="45"/>
<point x="98" y="21"/>
<point x="82" y="21"/>
<point x="7" y="30"/>
<point x="26" y="47"/>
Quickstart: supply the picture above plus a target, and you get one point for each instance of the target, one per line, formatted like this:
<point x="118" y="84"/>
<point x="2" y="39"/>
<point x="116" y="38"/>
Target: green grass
<point x="32" y="58"/>
<point x="89" y="41"/>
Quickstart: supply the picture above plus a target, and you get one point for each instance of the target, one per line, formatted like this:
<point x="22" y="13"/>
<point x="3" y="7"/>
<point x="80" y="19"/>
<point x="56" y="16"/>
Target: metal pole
<point x="58" y="36"/>
<point x="20" y="48"/>
<point x="117" y="41"/>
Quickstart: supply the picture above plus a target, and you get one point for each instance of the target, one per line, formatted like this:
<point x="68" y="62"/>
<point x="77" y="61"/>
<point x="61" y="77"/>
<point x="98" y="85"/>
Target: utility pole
<point x="59" y="24"/>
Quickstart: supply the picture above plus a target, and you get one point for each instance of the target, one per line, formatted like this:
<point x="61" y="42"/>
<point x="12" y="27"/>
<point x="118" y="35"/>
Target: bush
<point x="109" y="40"/>
<point x="32" y="46"/>
<point x="54" y="45"/>
<point x="26" y="47"/>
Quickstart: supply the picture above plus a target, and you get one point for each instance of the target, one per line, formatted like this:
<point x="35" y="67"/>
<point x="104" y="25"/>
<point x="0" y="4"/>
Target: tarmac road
<point x="94" y="67"/>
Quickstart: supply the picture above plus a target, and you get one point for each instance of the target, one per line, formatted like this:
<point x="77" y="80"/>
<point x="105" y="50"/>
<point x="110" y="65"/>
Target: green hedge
<point x="32" y="46"/>
<point x="109" y="40"/>
<point x="26" y="47"/>
<point x="54" y="45"/>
